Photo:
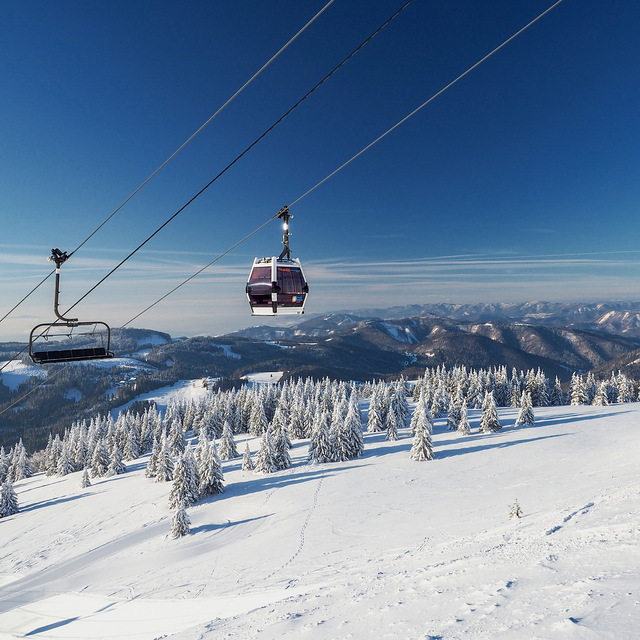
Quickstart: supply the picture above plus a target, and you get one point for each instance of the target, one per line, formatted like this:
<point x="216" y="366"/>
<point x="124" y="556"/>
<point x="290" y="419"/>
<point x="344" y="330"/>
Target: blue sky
<point x="520" y="182"/>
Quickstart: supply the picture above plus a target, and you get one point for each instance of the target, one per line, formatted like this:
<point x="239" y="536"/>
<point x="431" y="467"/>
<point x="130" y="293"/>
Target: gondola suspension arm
<point x="284" y="215"/>
<point x="59" y="257"/>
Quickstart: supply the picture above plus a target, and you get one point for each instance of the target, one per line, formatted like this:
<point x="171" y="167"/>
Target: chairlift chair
<point x="68" y="339"/>
<point x="277" y="286"/>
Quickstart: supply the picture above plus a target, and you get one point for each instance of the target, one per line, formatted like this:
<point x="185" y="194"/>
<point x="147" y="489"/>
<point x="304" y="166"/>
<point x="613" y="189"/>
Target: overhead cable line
<point x="211" y="182"/>
<point x="343" y="165"/>
<point x="178" y="150"/>
<point x="333" y="173"/>
<point x="246" y="150"/>
<point x="426" y="102"/>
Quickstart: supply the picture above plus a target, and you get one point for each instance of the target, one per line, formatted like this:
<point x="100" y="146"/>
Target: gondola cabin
<point x="277" y="287"/>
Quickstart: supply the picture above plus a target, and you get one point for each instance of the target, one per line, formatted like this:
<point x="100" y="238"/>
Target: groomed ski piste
<point x="380" y="546"/>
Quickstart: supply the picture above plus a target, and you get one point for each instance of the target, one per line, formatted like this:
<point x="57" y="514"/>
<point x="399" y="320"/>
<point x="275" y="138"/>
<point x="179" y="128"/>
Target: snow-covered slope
<point x="381" y="546"/>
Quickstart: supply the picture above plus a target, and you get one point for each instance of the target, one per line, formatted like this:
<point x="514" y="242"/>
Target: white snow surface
<point x="15" y="372"/>
<point x="377" y="547"/>
<point x="181" y="391"/>
<point x="264" y="377"/>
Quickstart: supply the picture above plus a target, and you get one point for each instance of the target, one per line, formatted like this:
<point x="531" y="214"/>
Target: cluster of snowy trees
<point x="439" y="385"/>
<point x="588" y="390"/>
<point x="188" y="443"/>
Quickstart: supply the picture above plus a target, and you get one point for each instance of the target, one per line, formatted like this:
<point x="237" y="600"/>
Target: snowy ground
<point x="379" y="547"/>
<point x="15" y="372"/>
<point x="181" y="391"/>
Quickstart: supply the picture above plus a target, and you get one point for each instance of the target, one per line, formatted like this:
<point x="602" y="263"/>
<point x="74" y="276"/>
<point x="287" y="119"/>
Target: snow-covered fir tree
<point x="100" y="459"/>
<point x="116" y="465"/>
<point x="600" y="398"/>
<point x="152" y="464"/>
<point x="258" y="422"/>
<point x="578" y="392"/>
<point x="320" y="446"/>
<point x="489" y="421"/>
<point x="525" y="417"/>
<point x="8" y="499"/>
<point x="175" y="438"/>
<point x="281" y="457"/>
<point x="247" y="461"/>
<point x="164" y="466"/>
<point x="463" y="428"/>
<point x="4" y="465"/>
<point x="422" y="447"/>
<point x="375" y="416"/>
<point x="557" y="394"/>
<point x="455" y="410"/>
<point x="85" y="481"/>
<point x="227" y="449"/>
<point x="211" y="480"/>
<point x="180" y="523"/>
<point x="20" y="464"/>
<point x="421" y="414"/>
<point x="265" y="458"/>
<point x="184" y="490"/>
<point x="392" y="426"/>
<point x="65" y="463"/>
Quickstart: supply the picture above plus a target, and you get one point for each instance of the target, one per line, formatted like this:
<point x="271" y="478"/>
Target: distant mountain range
<point x="372" y="344"/>
<point x="559" y="338"/>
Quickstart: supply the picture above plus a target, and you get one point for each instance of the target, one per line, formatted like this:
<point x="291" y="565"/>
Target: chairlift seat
<point x="70" y="355"/>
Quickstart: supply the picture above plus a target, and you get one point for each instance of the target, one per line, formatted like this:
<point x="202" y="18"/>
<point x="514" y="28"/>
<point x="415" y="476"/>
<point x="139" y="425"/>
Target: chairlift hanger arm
<point x="59" y="257"/>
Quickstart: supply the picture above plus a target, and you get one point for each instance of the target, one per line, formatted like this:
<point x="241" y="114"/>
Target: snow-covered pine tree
<point x="210" y="473"/>
<point x="374" y="417"/>
<point x="600" y="399"/>
<point x="258" y="419"/>
<point x="8" y="499"/>
<point x="116" y="466"/>
<point x="439" y="401"/>
<point x="180" y="523"/>
<point x="100" y="459"/>
<point x="392" y="426"/>
<point x="193" y="473"/>
<point x="227" y="447"/>
<point x="557" y="394"/>
<point x="20" y="465"/>
<point x="164" y="466"/>
<point x="65" y="464"/>
<point x="320" y="446"/>
<point x="247" y="461"/>
<point x="578" y="391"/>
<point x="399" y="404"/>
<point x="178" y="493"/>
<point x="265" y="459"/>
<point x="152" y="464"/>
<point x="464" y="428"/>
<point x="4" y="465"/>
<point x="422" y="447"/>
<point x="525" y="417"/>
<point x="85" y="482"/>
<point x="489" y="422"/>
<point x="455" y="409"/>
<point x="421" y="413"/>
<point x="175" y="437"/>
<point x="353" y="428"/>
<point x="281" y="456"/>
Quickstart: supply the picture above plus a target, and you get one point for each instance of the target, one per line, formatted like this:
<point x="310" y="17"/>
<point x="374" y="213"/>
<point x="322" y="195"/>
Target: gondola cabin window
<point x="259" y="286"/>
